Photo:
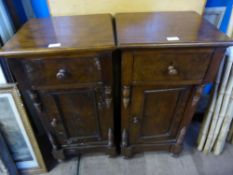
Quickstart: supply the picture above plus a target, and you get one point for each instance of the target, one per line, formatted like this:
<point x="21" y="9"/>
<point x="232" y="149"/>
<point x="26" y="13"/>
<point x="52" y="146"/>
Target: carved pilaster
<point x="97" y="63"/>
<point x="110" y="137"/>
<point x="126" y="96"/>
<point x="197" y="96"/>
<point x="181" y="136"/>
<point x="28" y="67"/>
<point x="177" y="148"/>
<point x="52" y="141"/>
<point x="108" y="96"/>
<point x="124" y="138"/>
<point x="36" y="101"/>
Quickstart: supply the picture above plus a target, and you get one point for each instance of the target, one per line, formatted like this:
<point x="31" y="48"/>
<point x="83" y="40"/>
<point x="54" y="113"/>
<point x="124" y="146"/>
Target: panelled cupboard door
<point x="156" y="113"/>
<point x="78" y="116"/>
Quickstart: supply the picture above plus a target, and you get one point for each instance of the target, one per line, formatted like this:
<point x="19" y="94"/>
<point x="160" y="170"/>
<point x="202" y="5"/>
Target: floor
<point x="190" y="162"/>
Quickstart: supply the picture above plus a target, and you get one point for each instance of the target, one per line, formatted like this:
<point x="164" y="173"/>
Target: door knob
<point x="61" y="74"/>
<point x="172" y="70"/>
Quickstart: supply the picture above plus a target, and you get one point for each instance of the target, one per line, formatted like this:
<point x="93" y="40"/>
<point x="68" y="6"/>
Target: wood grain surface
<point x="87" y="32"/>
<point x="152" y="29"/>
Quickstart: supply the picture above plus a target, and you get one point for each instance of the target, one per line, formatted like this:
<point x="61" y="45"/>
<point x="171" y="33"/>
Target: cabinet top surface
<point x="158" y="29"/>
<point x="62" y="34"/>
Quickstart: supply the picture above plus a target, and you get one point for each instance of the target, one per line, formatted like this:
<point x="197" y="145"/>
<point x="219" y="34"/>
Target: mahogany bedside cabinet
<point x="65" y="65"/>
<point x="167" y="57"/>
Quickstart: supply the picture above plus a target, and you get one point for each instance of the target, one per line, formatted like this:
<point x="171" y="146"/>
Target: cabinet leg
<point x="127" y="152"/>
<point x="176" y="150"/>
<point x="112" y="152"/>
<point x="111" y="144"/>
<point x="58" y="155"/>
<point x="128" y="155"/>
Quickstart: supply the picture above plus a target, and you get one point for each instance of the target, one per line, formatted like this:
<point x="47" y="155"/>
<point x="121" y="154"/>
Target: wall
<point x="75" y="7"/>
<point x="230" y="26"/>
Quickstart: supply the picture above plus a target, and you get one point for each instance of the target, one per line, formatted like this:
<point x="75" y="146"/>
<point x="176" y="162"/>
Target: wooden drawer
<point x="169" y="66"/>
<point x="65" y="71"/>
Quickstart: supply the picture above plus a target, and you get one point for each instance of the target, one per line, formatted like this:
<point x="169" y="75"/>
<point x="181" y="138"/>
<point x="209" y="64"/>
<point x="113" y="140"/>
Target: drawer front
<point x="171" y="66"/>
<point x="53" y="72"/>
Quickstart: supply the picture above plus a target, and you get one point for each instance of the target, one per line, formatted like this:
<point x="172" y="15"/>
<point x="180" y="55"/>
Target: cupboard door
<point x="78" y="116"/>
<point x="156" y="113"/>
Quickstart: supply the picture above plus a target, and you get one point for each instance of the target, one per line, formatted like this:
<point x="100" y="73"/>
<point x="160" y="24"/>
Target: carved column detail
<point x="99" y="89"/>
<point x="126" y="96"/>
<point x="28" y="67"/>
<point x="110" y="137"/>
<point x="97" y="63"/>
<point x="197" y="95"/>
<point x="108" y="96"/>
<point x="124" y="138"/>
<point x="181" y="136"/>
<point x="36" y="102"/>
<point x="52" y="141"/>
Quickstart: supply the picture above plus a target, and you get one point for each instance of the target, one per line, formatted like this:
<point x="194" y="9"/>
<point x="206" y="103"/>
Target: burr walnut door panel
<point x="156" y="113"/>
<point x="78" y="116"/>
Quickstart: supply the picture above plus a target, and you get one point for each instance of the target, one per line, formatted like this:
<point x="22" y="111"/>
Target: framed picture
<point x="3" y="169"/>
<point x="2" y="76"/>
<point x="5" y="74"/>
<point x="17" y="131"/>
<point x="7" y="165"/>
<point x="215" y="15"/>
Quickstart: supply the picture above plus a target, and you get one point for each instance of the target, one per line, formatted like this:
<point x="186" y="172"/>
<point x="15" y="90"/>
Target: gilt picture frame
<point x="3" y="169"/>
<point x="2" y="76"/>
<point x="17" y="131"/>
<point x="5" y="73"/>
<point x="7" y="165"/>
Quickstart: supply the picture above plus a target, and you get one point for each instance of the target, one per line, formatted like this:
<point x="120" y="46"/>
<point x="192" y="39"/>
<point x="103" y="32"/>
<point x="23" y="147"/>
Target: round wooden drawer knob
<point x="172" y="70"/>
<point x="62" y="74"/>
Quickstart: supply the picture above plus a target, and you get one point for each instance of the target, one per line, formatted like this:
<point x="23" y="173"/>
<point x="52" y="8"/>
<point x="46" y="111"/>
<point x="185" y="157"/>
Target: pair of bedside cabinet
<point x="132" y="82"/>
